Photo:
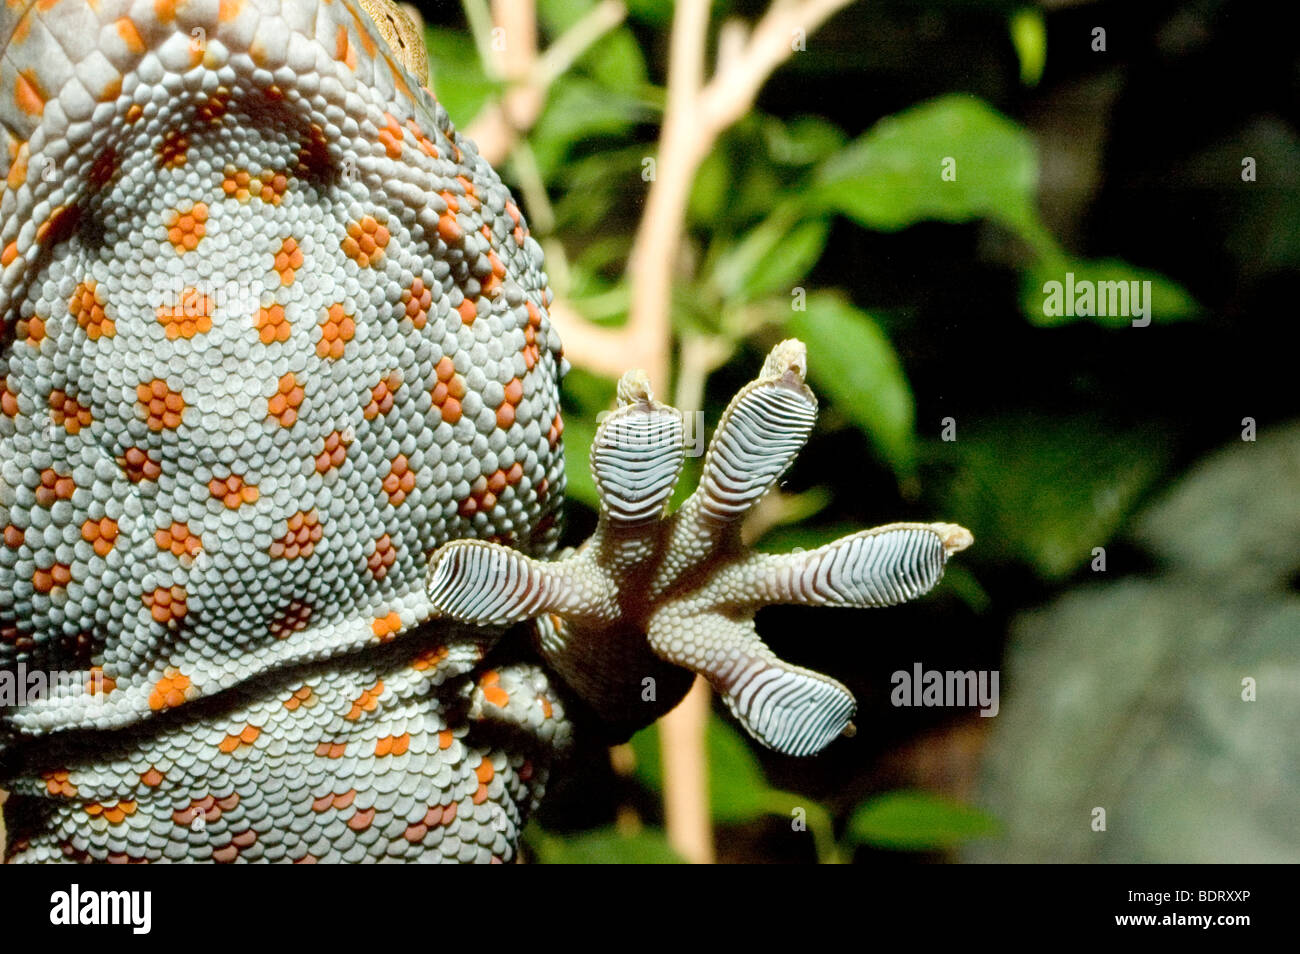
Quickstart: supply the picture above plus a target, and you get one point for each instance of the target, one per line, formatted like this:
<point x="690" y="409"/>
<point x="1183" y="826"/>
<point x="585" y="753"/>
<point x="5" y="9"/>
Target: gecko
<point x="282" y="466"/>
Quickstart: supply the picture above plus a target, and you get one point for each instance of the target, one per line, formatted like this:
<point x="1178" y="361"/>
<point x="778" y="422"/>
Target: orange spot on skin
<point x="288" y="260"/>
<point x="445" y="738"/>
<point x="113" y="814"/>
<point x="162" y="406"/>
<point x="390" y="137"/>
<point x="99" y="683"/>
<point x="87" y="305"/>
<point x="385" y="626"/>
<point x="365" y="241"/>
<point x="31" y="330"/>
<point x="167" y="604"/>
<point x="361" y="820"/>
<point x="366" y="702"/>
<point x="284" y="403"/>
<point x="242" y="185"/>
<point x="471" y="195"/>
<point x="28" y="94"/>
<point x="59" y="226"/>
<point x="232" y="491"/>
<point x="134" y="113"/>
<point x="173" y="151"/>
<point x="68" y="412"/>
<point x="53" y="487"/>
<point x="301" y="538"/>
<point x="449" y="229"/>
<point x="101" y="534"/>
<point x="336" y="329"/>
<point x="382" y="558"/>
<point x="382" y="396"/>
<point x="417" y="299"/>
<point x="17" y="174"/>
<point x="130" y="35"/>
<point x="8" y="401"/>
<point x="468" y="311"/>
<point x="293" y="618"/>
<point x="485" y="774"/>
<point x="139" y="465"/>
<point x="333" y="454"/>
<point x="14" y="537"/>
<point x="486" y="489"/>
<point x="426" y="145"/>
<point x="245" y="737"/>
<point x="331" y="750"/>
<point x="179" y="540"/>
<point x="228" y="10"/>
<point x="429" y="659"/>
<point x="52" y="578"/>
<point x="400" y="480"/>
<point x="343" y="50"/>
<point x="209" y="807"/>
<point x="331" y="800"/>
<point x="152" y="778"/>
<point x="492" y="691"/>
<point x="10" y="253"/>
<point x="185" y="229"/>
<point x="172" y="690"/>
<point x="302" y="696"/>
<point x="214" y="107"/>
<point x="56" y="783"/>
<point x="272" y="325"/>
<point x="189" y="316"/>
<point x="393" y="744"/>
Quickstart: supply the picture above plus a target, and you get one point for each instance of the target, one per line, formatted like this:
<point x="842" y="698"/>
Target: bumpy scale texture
<point x="272" y="332"/>
<point x="281" y="461"/>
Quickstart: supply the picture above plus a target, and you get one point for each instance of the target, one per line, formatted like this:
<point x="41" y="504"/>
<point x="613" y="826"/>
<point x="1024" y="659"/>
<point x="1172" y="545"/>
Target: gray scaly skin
<point x="280" y="462"/>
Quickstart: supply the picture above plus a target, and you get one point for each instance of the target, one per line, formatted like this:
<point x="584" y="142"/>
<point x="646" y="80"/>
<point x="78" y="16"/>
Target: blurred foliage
<point x="825" y="214"/>
<point x="1129" y="695"/>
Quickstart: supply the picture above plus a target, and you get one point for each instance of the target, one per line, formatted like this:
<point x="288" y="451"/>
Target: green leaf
<point x="710" y="188"/>
<point x="578" y="485"/>
<point x="851" y="361"/>
<point x="772" y="258"/>
<point x="1029" y="36"/>
<point x="656" y="13"/>
<point x="1046" y="490"/>
<point x="586" y="395"/>
<point x="738" y="790"/>
<point x="890" y="177"/>
<point x="458" y="78"/>
<point x="918" y="821"/>
<point x="801" y="141"/>
<point x="577" y="110"/>
<point x="602" y="846"/>
<point x="1111" y="284"/>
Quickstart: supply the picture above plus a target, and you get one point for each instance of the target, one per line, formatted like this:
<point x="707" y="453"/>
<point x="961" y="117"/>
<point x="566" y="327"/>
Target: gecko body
<point x="281" y="460"/>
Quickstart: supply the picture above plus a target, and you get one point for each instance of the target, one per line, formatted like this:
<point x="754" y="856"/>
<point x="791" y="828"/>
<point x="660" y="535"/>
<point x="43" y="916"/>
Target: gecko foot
<point x="651" y="598"/>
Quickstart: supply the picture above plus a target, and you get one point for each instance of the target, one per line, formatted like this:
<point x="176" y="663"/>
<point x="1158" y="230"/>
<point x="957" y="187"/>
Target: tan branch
<point x="528" y="74"/>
